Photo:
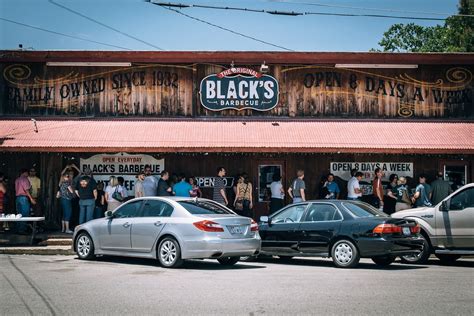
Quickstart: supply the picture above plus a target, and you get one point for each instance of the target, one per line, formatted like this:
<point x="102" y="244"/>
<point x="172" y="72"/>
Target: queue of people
<point x="93" y="199"/>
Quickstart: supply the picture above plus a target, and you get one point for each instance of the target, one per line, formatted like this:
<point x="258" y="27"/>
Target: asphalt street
<point x="64" y="285"/>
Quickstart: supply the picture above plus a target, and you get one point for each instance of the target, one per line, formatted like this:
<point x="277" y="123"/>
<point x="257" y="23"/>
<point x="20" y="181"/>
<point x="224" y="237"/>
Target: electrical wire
<point x="318" y="4"/>
<point x="292" y="13"/>
<point x="225" y="29"/>
<point x="63" y="34"/>
<point x="104" y="25"/>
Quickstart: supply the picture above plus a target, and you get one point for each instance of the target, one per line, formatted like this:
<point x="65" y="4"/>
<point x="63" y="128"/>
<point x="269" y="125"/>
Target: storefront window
<point x="456" y="175"/>
<point x="265" y="178"/>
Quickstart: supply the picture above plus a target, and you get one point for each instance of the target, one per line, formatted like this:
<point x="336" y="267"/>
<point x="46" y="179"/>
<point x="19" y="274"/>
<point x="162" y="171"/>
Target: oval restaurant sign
<point x="237" y="89"/>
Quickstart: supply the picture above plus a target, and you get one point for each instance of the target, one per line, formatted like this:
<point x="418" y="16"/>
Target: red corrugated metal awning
<point x="237" y="135"/>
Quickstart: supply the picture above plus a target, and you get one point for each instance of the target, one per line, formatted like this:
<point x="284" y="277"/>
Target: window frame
<point x="144" y="201"/>
<point x="126" y="205"/>
<point x="286" y="209"/>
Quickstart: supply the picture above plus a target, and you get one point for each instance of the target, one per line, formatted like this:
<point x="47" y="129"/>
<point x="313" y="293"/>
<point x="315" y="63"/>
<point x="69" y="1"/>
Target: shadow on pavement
<point x="330" y="264"/>
<point x="457" y="263"/>
<point x="188" y="264"/>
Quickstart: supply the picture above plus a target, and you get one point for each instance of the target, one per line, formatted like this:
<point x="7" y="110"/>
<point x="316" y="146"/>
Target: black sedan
<point x="343" y="230"/>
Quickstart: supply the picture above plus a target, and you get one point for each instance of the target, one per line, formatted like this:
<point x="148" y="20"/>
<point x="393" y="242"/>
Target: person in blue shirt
<point x="332" y="187"/>
<point x="183" y="187"/>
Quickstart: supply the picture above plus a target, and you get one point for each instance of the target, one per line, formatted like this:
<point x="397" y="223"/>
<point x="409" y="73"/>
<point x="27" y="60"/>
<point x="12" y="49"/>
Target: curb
<point x="49" y="250"/>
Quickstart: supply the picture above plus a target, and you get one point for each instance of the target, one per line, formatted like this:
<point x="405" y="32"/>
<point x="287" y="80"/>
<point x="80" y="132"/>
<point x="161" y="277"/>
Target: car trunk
<point x="235" y="227"/>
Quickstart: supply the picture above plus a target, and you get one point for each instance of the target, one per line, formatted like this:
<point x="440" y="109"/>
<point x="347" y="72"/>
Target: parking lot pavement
<point x="58" y="285"/>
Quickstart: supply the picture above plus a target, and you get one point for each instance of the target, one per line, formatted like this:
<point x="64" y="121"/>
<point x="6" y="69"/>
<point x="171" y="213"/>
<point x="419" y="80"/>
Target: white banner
<point x="343" y="169"/>
<point x="121" y="165"/>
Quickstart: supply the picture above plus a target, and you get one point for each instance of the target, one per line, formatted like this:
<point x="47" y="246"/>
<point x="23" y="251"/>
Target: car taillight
<point x="208" y="226"/>
<point x="387" y="229"/>
<point x="254" y="226"/>
<point x="415" y="229"/>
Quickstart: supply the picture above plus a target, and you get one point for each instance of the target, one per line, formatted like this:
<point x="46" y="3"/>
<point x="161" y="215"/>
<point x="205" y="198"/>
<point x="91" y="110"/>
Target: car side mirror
<point x="109" y="214"/>
<point x="444" y="206"/>
<point x="266" y="219"/>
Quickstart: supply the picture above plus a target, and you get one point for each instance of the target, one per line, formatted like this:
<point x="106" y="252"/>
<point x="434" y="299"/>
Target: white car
<point x="448" y="227"/>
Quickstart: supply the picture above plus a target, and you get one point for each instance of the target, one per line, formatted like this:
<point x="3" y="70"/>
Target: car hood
<point x="417" y="212"/>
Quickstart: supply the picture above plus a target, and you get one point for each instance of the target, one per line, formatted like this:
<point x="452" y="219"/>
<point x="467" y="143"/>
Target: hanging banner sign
<point x="238" y="89"/>
<point x="343" y="169"/>
<point x="121" y="165"/>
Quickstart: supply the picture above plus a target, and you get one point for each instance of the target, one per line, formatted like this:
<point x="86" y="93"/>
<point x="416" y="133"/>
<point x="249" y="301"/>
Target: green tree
<point x="456" y="35"/>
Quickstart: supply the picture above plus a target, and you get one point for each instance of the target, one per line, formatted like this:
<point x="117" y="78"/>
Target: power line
<point x="102" y="24"/>
<point x="318" y="4"/>
<point x="225" y="29"/>
<point x="293" y="13"/>
<point x="63" y="34"/>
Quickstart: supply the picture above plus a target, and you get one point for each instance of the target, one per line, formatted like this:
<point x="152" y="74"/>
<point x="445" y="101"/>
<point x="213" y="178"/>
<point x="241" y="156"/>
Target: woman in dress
<point x="65" y="195"/>
<point x="113" y="187"/>
<point x="244" y="196"/>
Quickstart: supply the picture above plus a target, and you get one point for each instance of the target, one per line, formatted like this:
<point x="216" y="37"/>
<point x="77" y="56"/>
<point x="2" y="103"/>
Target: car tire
<point x="422" y="257"/>
<point x="228" y="261"/>
<point x="169" y="253"/>
<point x="345" y="254"/>
<point x="447" y="258"/>
<point x="383" y="261"/>
<point x="84" y="246"/>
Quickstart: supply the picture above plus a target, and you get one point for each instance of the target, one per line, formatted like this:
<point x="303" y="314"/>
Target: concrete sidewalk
<point x="37" y="250"/>
<point x="53" y="243"/>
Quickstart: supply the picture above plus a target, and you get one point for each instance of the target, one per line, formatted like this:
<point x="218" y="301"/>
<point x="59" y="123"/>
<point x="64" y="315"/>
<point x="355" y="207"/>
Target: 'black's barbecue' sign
<point x="238" y="89"/>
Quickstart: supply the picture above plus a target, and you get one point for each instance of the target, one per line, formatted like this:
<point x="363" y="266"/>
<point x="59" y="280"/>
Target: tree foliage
<point x="456" y="35"/>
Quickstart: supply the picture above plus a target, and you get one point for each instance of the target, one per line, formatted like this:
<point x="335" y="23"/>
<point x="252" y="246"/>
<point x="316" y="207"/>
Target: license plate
<point x="406" y="231"/>
<point x="236" y="229"/>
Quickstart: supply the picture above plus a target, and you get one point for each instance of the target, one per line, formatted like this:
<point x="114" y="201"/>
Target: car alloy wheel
<point x="84" y="246"/>
<point x="169" y="253"/>
<point x="421" y="257"/>
<point x="345" y="254"/>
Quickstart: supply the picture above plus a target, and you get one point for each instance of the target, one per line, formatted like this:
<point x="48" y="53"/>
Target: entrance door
<point x="266" y="170"/>
<point x="456" y="172"/>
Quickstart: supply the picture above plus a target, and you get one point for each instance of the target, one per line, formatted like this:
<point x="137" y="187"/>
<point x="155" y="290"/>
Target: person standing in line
<point x="332" y="187"/>
<point x="122" y="188"/>
<point x="278" y="193"/>
<point x="244" y="195"/>
<point x="65" y="195"/>
<point x="440" y="189"/>
<point x="219" y="194"/>
<point x="3" y="191"/>
<point x="35" y="191"/>
<point x="150" y="183"/>
<point x="100" y="201"/>
<point x="86" y="190"/>
<point x="113" y="188"/>
<point x="23" y="198"/>
<point x="390" y="202"/>
<point x="353" y="187"/>
<point x="422" y="193"/>
<point x="195" y="191"/>
<point x="139" y="191"/>
<point x="297" y="189"/>
<point x="164" y="188"/>
<point x="401" y="193"/>
<point x="377" y="188"/>
<point x="182" y="188"/>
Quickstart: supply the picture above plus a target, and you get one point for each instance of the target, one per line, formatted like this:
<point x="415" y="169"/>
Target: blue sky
<point x="171" y="31"/>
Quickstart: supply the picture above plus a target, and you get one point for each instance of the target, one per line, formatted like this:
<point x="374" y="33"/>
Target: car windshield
<point x="203" y="207"/>
<point x="363" y="210"/>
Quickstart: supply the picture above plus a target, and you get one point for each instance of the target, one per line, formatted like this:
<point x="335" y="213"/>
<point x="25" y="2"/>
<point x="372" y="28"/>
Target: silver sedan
<point x="170" y="230"/>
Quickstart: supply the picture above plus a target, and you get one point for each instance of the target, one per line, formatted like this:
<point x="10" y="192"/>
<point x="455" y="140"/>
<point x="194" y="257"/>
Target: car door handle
<point x="158" y="223"/>
<point x="126" y="225"/>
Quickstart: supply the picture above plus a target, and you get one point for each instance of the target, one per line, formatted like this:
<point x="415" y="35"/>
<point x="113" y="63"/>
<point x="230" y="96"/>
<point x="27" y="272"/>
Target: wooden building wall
<point x="49" y="167"/>
<point x="172" y="90"/>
